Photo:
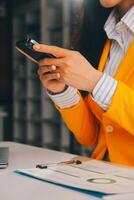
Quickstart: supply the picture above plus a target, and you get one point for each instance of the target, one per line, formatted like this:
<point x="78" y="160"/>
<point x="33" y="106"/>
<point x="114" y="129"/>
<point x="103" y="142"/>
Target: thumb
<point x="56" y="51"/>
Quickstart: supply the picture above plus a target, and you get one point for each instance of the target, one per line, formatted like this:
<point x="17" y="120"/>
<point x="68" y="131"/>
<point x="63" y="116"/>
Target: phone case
<point x="26" y="48"/>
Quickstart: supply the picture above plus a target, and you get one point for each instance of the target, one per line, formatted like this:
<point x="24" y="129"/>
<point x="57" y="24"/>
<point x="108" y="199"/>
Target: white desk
<point x="17" y="187"/>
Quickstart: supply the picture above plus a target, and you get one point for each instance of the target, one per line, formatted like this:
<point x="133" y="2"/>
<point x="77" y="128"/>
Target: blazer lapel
<point x="104" y="55"/>
<point x="126" y="66"/>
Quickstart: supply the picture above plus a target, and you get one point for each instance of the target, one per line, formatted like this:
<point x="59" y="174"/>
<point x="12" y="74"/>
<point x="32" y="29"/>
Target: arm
<point x="72" y="69"/>
<point x="81" y="122"/>
<point x="76" y="115"/>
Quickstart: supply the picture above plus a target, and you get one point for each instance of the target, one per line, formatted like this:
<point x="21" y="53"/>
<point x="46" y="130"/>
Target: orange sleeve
<point x="81" y="122"/>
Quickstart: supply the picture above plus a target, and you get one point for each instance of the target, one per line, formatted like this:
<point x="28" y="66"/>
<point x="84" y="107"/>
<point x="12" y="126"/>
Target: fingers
<point x="48" y="73"/>
<point x="46" y="69"/>
<point x="51" y="61"/>
<point x="56" y="51"/>
<point x="50" y="76"/>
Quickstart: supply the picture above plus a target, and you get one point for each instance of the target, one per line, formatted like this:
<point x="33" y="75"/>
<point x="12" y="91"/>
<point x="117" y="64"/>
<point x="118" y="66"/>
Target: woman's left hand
<point x="73" y="68"/>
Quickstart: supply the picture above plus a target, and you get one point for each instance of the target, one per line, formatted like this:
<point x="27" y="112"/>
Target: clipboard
<point x="92" y="177"/>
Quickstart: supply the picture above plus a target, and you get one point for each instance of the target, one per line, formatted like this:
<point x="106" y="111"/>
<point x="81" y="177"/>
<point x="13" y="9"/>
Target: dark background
<point x="6" y="7"/>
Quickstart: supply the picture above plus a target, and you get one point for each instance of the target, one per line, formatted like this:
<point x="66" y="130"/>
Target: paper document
<point x="90" y="175"/>
<point x="119" y="197"/>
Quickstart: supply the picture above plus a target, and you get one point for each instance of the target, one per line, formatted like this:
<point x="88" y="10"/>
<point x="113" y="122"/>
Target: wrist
<point x="95" y="77"/>
<point x="55" y="93"/>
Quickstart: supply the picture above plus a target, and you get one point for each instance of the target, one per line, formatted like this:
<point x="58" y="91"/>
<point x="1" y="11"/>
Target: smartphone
<point x="4" y="153"/>
<point x="26" y="48"/>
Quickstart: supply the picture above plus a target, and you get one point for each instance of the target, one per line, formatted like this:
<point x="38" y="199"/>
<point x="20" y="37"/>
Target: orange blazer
<point x="111" y="130"/>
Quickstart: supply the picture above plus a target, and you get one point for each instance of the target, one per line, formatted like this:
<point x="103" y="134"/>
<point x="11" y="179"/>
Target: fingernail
<point x="36" y="46"/>
<point x="53" y="67"/>
<point x="58" y="75"/>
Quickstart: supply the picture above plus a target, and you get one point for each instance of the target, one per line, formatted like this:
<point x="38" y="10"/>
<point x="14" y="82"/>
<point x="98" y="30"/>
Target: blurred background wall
<point x="26" y="113"/>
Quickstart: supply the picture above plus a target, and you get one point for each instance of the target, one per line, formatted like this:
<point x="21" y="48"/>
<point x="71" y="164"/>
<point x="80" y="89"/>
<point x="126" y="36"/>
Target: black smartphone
<point x="26" y="48"/>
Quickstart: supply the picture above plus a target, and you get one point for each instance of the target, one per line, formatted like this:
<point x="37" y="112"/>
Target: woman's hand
<point x="50" y="79"/>
<point x="71" y="68"/>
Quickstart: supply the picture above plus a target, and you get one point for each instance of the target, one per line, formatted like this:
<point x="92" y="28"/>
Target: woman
<point x="104" y="118"/>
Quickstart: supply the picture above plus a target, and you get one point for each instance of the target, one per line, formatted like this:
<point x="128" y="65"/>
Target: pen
<point x="45" y="166"/>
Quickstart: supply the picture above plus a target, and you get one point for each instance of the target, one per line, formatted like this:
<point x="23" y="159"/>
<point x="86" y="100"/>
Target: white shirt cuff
<point x="66" y="99"/>
<point x="104" y="91"/>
